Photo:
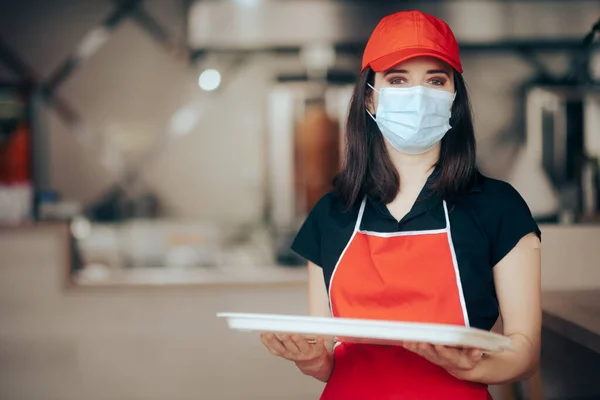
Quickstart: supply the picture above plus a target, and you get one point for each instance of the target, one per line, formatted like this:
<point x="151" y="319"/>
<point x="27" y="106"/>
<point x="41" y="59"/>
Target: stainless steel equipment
<point x="563" y="135"/>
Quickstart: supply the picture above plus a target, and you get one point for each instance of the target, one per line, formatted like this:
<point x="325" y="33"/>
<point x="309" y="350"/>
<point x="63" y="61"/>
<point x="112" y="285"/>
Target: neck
<point x="414" y="169"/>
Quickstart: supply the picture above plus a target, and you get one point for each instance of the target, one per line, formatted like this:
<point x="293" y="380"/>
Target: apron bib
<point x="398" y="276"/>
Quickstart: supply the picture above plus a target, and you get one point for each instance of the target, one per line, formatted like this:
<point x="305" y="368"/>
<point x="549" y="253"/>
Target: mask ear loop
<point x="369" y="85"/>
<point x="370" y="115"/>
<point x="452" y="104"/>
<point x="366" y="109"/>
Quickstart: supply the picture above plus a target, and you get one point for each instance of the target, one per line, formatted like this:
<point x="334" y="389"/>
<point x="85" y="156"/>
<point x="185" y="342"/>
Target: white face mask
<point x="414" y="119"/>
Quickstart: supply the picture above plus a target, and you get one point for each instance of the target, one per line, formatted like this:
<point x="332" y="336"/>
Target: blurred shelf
<point x="168" y="277"/>
<point x="34" y="225"/>
<point x="592" y="219"/>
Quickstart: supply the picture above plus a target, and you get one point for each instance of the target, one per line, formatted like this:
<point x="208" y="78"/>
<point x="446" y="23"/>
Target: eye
<point x="397" y="81"/>
<point x="437" y="81"/>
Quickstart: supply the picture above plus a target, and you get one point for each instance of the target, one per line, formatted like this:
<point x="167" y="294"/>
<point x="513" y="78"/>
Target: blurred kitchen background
<point x="157" y="157"/>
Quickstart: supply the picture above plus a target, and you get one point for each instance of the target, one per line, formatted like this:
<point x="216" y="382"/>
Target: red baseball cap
<point x="408" y="34"/>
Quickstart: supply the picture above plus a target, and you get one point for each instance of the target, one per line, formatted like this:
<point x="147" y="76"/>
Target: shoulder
<point x="496" y="205"/>
<point x="492" y="195"/>
<point x="327" y="201"/>
<point x="501" y="212"/>
<point x="331" y="209"/>
<point x="324" y="233"/>
<point x="498" y="190"/>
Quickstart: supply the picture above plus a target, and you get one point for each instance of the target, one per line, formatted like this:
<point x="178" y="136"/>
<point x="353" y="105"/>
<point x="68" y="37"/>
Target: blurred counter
<point x="570" y="256"/>
<point x="168" y="343"/>
<point x="53" y="244"/>
<point x="575" y="315"/>
<point x="570" y="359"/>
<point x="140" y="276"/>
<point x="61" y="340"/>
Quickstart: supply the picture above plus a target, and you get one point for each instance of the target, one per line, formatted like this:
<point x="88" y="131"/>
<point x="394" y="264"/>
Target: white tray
<point x="369" y="331"/>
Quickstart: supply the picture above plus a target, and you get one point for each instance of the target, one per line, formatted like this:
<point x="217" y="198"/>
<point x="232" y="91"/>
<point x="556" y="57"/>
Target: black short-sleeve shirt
<point x="486" y="224"/>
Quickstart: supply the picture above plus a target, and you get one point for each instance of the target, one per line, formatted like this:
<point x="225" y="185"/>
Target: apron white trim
<point x="407" y="233"/>
<point x="356" y="228"/>
<point x="463" y="303"/>
<point x="446" y="230"/>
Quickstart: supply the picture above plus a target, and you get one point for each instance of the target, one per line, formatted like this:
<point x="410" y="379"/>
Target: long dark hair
<point x="368" y="170"/>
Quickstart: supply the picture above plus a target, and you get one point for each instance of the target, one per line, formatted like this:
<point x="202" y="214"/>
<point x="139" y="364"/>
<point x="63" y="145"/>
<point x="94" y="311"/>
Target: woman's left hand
<point x="458" y="362"/>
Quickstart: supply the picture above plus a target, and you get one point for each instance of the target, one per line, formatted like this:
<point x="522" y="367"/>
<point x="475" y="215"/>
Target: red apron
<point x="402" y="276"/>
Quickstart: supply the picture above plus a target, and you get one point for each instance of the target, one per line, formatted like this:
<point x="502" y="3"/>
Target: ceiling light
<point x="209" y="80"/>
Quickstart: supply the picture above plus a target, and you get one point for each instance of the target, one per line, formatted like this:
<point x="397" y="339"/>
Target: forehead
<point x="425" y="63"/>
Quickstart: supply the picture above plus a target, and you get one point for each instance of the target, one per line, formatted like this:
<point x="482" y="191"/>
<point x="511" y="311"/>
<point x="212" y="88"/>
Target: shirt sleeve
<point x="514" y="221"/>
<point x="307" y="243"/>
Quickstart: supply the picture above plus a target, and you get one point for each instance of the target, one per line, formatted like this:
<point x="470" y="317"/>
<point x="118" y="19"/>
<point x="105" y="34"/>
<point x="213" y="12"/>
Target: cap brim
<point x="388" y="61"/>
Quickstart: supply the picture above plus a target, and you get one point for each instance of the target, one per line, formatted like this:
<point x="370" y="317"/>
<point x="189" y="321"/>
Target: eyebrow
<point x="429" y="72"/>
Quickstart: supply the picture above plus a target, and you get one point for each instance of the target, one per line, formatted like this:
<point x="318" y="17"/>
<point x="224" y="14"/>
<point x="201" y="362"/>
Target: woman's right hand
<point x="311" y="358"/>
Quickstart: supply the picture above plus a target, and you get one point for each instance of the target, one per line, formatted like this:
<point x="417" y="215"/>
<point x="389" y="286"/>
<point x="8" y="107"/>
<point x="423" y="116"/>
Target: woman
<point x="413" y="232"/>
